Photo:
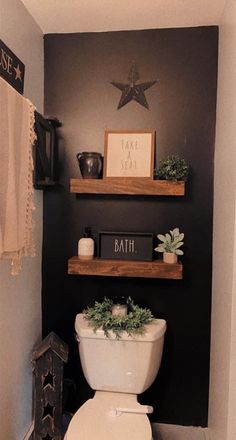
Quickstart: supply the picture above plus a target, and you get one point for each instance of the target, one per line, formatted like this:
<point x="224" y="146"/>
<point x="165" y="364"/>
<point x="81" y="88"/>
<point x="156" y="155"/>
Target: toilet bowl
<point x="117" y="370"/>
<point x="98" y="419"/>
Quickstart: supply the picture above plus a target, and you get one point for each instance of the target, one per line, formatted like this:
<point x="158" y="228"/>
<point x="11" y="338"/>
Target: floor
<point x="175" y="432"/>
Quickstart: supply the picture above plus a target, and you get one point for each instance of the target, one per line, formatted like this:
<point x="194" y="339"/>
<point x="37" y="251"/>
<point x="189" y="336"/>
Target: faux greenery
<point x="172" y="168"/>
<point x="171" y="242"/>
<point x="100" y="316"/>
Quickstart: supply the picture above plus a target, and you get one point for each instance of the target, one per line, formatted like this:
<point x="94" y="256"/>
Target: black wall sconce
<point x="46" y="173"/>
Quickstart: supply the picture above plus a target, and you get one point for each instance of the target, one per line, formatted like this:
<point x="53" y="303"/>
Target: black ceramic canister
<point x="90" y="165"/>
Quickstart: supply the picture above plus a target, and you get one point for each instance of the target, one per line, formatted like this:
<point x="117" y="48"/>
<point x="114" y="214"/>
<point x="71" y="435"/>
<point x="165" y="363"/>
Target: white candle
<point x="119" y="310"/>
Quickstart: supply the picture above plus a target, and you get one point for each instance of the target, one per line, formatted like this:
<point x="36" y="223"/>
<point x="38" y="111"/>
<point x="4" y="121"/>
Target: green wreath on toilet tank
<point x="133" y="322"/>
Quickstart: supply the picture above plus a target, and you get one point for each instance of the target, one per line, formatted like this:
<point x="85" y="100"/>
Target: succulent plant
<point x="171" y="242"/>
<point x="172" y="168"/>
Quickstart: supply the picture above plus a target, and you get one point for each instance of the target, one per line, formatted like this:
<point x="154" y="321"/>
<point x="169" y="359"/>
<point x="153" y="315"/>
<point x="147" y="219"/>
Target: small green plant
<point x="100" y="316"/>
<point x="171" y="242"/>
<point x="172" y="168"/>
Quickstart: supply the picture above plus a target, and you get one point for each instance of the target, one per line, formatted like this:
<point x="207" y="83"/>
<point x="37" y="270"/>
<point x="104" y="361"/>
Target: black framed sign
<point x="126" y="245"/>
<point x="11" y="68"/>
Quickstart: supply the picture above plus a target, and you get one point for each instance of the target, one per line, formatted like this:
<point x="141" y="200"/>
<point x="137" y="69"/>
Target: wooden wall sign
<point x="129" y="154"/>
<point x="126" y="246"/>
<point x="11" y="68"/>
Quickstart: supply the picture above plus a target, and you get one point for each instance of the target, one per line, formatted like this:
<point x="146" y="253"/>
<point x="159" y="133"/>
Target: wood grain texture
<point x="53" y="343"/>
<point x="48" y="399"/>
<point x="121" y="268"/>
<point x="129" y="186"/>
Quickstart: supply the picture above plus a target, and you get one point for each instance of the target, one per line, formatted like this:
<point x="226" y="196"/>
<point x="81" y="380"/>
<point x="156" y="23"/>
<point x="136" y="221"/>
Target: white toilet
<point x="118" y="370"/>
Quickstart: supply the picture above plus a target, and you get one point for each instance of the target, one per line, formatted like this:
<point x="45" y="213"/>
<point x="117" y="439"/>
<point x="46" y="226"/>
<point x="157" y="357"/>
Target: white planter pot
<point x="169" y="257"/>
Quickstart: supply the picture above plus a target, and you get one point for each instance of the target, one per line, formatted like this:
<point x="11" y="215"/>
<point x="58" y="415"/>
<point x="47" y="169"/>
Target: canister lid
<point x="153" y="331"/>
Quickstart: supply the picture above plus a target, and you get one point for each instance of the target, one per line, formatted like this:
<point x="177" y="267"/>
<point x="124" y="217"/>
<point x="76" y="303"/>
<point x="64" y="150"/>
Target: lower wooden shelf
<point x="125" y="268"/>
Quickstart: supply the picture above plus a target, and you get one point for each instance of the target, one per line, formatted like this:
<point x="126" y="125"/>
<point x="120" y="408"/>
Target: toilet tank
<point x="126" y="365"/>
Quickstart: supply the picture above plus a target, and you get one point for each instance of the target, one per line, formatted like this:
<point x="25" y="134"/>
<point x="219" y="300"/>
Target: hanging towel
<point x="17" y="136"/>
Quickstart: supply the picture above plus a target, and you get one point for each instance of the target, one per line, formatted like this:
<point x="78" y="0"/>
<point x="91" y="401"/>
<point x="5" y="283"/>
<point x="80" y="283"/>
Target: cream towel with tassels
<point x="17" y="136"/>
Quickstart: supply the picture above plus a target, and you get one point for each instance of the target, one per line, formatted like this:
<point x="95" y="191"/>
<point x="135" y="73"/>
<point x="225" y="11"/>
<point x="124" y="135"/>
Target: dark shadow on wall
<point x="78" y="71"/>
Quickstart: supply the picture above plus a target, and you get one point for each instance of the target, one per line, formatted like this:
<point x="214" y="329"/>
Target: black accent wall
<point x="78" y="71"/>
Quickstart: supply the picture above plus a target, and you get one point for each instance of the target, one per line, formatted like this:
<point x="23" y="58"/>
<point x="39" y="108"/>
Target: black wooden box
<point x="126" y="245"/>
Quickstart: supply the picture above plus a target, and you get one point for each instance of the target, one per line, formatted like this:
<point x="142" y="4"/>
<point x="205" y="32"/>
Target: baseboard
<point x="163" y="431"/>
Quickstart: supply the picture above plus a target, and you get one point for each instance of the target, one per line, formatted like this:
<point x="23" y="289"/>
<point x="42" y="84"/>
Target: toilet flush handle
<point x="142" y="409"/>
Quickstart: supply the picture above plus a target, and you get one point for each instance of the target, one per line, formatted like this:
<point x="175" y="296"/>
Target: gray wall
<point x="20" y="296"/>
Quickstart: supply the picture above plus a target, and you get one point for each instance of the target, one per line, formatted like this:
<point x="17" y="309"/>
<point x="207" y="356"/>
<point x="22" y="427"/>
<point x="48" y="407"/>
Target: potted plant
<point x="102" y="315"/>
<point x="172" y="168"/>
<point x="170" y="245"/>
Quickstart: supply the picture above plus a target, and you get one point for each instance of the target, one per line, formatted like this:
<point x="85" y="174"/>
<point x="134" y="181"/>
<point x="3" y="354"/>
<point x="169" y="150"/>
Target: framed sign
<point x="129" y="154"/>
<point x="126" y="246"/>
<point x="11" y="68"/>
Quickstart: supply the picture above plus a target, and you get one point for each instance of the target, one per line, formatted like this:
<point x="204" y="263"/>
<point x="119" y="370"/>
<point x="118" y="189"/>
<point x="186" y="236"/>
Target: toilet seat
<point x="97" y="419"/>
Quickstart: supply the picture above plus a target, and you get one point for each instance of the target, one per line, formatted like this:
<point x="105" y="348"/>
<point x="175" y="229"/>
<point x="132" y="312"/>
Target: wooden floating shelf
<point x="128" y="186"/>
<point x="125" y="268"/>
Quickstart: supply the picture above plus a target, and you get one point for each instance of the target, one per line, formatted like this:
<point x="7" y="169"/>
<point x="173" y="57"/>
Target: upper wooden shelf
<point x="129" y="186"/>
<point x="125" y="268"/>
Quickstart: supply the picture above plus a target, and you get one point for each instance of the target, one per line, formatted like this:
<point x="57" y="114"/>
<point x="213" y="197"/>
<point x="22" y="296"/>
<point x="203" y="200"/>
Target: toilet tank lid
<point x="153" y="331"/>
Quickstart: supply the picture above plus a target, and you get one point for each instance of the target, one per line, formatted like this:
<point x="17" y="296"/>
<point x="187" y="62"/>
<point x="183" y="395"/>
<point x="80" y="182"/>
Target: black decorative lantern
<point x="46" y="158"/>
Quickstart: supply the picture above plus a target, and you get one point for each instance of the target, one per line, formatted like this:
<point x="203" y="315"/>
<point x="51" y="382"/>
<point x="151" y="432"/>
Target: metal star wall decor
<point x="133" y="91"/>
